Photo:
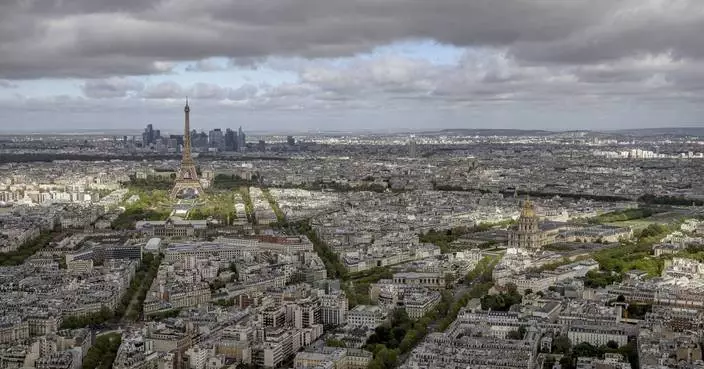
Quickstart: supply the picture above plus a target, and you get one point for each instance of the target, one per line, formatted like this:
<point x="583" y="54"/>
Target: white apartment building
<point x="598" y="335"/>
<point x="225" y="251"/>
<point x="368" y="316"/>
<point x="197" y="357"/>
<point x="430" y="280"/>
<point x="419" y="304"/>
<point x="333" y="309"/>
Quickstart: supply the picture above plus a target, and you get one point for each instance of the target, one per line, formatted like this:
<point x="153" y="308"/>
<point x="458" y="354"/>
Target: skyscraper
<point x="241" y="141"/>
<point x="412" y="148"/>
<point x="230" y="140"/>
<point x="216" y="138"/>
<point x="148" y="135"/>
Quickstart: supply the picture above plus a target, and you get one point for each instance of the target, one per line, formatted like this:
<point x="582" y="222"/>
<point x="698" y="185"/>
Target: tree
<point x="400" y="316"/>
<point x="561" y="345"/>
<point x="449" y="280"/>
<point x="331" y="342"/>
<point x="567" y="363"/>
<point x="612" y="344"/>
<point x="585" y="349"/>
<point x="514" y="335"/>
<point x="233" y="269"/>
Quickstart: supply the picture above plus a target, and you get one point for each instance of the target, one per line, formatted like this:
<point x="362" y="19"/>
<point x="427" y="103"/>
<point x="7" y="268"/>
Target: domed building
<point x="529" y="234"/>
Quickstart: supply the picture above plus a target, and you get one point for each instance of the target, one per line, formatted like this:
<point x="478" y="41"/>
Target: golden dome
<point x="528" y="210"/>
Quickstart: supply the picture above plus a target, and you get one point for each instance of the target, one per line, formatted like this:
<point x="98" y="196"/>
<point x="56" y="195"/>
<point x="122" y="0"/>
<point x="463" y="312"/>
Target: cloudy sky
<point x="292" y="65"/>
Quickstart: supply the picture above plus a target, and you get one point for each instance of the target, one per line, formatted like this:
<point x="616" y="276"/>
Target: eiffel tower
<point x="187" y="183"/>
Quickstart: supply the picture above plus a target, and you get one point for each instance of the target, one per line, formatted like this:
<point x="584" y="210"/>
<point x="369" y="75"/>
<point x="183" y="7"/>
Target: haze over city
<point x="301" y="65"/>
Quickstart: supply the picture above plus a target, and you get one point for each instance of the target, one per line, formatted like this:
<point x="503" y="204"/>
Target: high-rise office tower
<point x="148" y="135"/>
<point x="216" y="138"/>
<point x="241" y="141"/>
<point x="230" y="140"/>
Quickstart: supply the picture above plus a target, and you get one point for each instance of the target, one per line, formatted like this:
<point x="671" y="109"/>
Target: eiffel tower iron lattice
<point x="187" y="176"/>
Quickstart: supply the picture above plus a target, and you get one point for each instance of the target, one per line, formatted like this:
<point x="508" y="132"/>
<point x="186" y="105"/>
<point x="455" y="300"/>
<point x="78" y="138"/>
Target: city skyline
<point x="297" y="66"/>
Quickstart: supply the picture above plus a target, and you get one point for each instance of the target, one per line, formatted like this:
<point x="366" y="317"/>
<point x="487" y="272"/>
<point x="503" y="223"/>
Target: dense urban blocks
<point x="355" y="252"/>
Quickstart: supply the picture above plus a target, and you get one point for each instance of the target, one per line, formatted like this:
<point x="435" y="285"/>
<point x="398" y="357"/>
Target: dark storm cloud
<point x="99" y="38"/>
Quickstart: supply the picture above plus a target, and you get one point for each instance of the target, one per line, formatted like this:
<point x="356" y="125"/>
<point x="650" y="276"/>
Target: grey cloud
<point x="247" y="62"/>
<point x="243" y="93"/>
<point x="130" y="114"/>
<point x="7" y="84"/>
<point x="484" y="75"/>
<point x="208" y="91"/>
<point x="98" y="38"/>
<point x="638" y="27"/>
<point x="206" y="65"/>
<point x="111" y="87"/>
<point x="164" y="90"/>
<point x="199" y="91"/>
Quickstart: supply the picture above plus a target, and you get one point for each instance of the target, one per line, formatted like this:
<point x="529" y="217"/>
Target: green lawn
<point x="636" y="224"/>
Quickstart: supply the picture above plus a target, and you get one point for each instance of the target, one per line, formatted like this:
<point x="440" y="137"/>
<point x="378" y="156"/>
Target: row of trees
<point x="561" y="345"/>
<point x="402" y="334"/>
<point x="356" y="287"/>
<point x="165" y="315"/>
<point x="146" y="273"/>
<point x="248" y="205"/>
<point x="332" y="262"/>
<point x="601" y="278"/>
<point x="444" y="238"/>
<point x="48" y="158"/>
<point x="129" y="218"/>
<point x="89" y="320"/>
<point x="477" y="290"/>
<point x="152" y="182"/>
<point x="482" y="272"/>
<point x="503" y="301"/>
<point x="103" y="352"/>
<point x="632" y="255"/>
<point x="670" y="200"/>
<point x="280" y="216"/>
<point x="26" y="250"/>
<point x="647" y="199"/>
<point x="623" y="215"/>
<point x="229" y="182"/>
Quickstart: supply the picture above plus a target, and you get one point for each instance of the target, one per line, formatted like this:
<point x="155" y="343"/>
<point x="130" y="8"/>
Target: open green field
<point x="640" y="224"/>
<point x="636" y="224"/>
<point x="219" y="205"/>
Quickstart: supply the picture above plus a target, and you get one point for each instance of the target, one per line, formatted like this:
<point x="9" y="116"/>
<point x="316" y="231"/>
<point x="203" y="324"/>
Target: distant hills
<point x="673" y="131"/>
<point x="641" y="132"/>
<point x="488" y="132"/>
<point x="480" y="132"/>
